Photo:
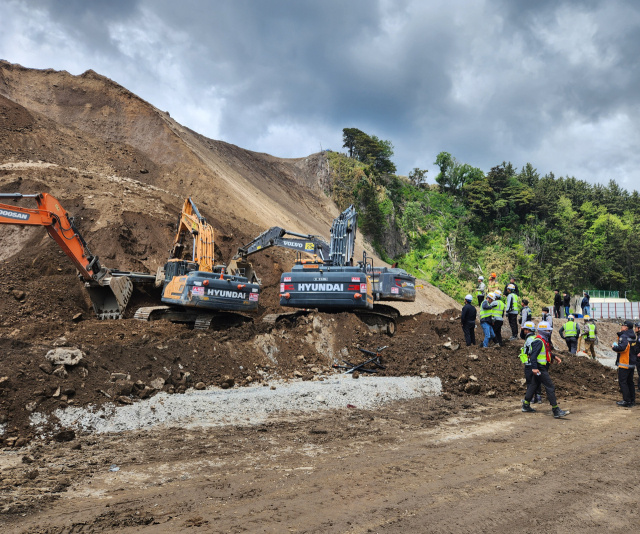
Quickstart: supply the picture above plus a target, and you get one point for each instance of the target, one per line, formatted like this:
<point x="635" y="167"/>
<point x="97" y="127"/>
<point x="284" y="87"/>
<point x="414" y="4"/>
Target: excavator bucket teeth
<point x="110" y="297"/>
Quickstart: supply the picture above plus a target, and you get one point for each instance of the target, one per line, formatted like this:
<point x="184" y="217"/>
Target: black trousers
<point x="469" y="330"/>
<point x="480" y="299"/>
<point x="572" y="344"/>
<point x="513" y="323"/>
<point x="497" y="330"/>
<point x="556" y="312"/>
<point x="544" y="379"/>
<point x="528" y="376"/>
<point x="625" y="377"/>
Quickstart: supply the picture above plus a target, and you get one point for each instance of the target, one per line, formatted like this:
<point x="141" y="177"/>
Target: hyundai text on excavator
<point x="195" y="290"/>
<point x="330" y="281"/>
<point x="109" y="289"/>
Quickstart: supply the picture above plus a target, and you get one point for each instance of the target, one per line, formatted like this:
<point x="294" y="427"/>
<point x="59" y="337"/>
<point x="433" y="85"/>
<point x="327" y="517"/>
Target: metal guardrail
<point x="615" y="310"/>
<point x="602" y="294"/>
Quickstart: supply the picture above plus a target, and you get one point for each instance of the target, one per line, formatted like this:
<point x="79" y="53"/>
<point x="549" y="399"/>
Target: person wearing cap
<point x="546" y="316"/>
<point x="589" y="333"/>
<point x="636" y="349"/>
<point x="486" y="319"/>
<point x="512" y="282"/>
<point x="626" y="362"/>
<point x="525" y="316"/>
<point x="557" y="304"/>
<point x="498" y="316"/>
<point x="529" y="330"/>
<point x="492" y="285"/>
<point x="468" y="320"/>
<point x="570" y="331"/>
<point x="540" y="358"/>
<point x="513" y="309"/>
<point x="481" y="290"/>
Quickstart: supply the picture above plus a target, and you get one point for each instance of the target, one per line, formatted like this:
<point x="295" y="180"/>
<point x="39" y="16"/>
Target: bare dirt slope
<point x="244" y="192"/>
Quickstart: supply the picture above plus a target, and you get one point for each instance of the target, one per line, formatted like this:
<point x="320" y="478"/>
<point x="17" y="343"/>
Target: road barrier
<point x="615" y="310"/>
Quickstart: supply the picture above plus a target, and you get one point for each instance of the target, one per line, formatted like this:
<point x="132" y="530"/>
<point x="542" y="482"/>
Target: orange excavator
<point x="109" y="289"/>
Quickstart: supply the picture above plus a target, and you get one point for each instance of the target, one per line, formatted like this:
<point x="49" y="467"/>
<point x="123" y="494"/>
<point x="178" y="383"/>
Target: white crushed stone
<point x="2" y="428"/>
<point x="247" y="405"/>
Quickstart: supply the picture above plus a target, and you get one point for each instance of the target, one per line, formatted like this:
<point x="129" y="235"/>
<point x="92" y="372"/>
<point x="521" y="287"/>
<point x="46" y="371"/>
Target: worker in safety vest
<point x="570" y="332"/>
<point x="626" y="362"/>
<point x="529" y="330"/>
<point x="486" y="319"/>
<point x="481" y="290"/>
<point x="588" y="336"/>
<point x="513" y="309"/>
<point x="492" y="285"/>
<point x="540" y="358"/>
<point x="498" y="316"/>
<point x="636" y="350"/>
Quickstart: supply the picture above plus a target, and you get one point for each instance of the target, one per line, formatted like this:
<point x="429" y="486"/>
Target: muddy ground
<point x="427" y="465"/>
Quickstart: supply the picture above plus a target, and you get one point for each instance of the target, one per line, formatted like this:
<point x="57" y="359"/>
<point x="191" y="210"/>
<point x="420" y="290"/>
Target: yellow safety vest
<point x="590" y="331"/>
<point x="570" y="329"/>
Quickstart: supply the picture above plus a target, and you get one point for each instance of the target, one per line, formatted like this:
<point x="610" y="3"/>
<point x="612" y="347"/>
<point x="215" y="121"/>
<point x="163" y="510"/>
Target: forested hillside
<point x="548" y="232"/>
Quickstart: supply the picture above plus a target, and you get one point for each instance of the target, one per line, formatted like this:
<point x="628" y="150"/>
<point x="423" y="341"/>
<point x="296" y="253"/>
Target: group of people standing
<point x="536" y="353"/>
<point x="564" y="301"/>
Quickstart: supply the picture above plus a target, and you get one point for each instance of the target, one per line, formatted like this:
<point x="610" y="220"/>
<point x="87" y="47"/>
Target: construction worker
<point x="546" y="316"/>
<point x="498" y="316"/>
<point x="570" y="332"/>
<point x="589" y="336"/>
<point x="529" y="330"/>
<point x="481" y="290"/>
<point x="486" y="319"/>
<point x="512" y="282"/>
<point x="513" y="309"/>
<point x="492" y="285"/>
<point x="468" y="320"/>
<point x="626" y="362"/>
<point x="540" y="358"/>
<point x="636" y="350"/>
<point x="525" y="315"/>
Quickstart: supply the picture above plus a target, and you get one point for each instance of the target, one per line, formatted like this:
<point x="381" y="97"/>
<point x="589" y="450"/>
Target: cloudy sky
<point x="547" y="82"/>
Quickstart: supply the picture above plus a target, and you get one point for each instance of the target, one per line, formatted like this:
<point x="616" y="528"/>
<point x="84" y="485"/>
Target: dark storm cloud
<point x="553" y="83"/>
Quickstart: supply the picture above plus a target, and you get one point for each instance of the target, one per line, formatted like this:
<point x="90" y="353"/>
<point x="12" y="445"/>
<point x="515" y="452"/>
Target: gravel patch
<point x="247" y="405"/>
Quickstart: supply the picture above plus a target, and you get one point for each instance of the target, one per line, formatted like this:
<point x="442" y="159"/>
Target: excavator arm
<point x="343" y="237"/>
<point x="276" y="237"/>
<point x="109" y="289"/>
<point x="60" y="227"/>
<point x="194" y="224"/>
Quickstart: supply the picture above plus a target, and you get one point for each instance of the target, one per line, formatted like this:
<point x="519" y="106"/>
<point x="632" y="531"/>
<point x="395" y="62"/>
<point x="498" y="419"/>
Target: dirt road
<point x="428" y="465"/>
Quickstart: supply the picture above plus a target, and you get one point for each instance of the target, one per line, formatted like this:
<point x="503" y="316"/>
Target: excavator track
<point x="199" y="319"/>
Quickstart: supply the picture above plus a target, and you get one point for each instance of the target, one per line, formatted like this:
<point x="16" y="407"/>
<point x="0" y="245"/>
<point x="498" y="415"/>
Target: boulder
<point x="187" y="377"/>
<point x="451" y="346"/>
<point x="472" y="388"/>
<point x="65" y="435"/>
<point x="118" y="376"/>
<point x="356" y="374"/>
<point x="46" y="368"/>
<point x="18" y="295"/>
<point x="65" y="356"/>
<point x="297" y="373"/>
<point x="124" y="400"/>
<point x="4" y="382"/>
<point x="123" y="387"/>
<point x="145" y="392"/>
<point x="77" y="318"/>
<point x="158" y="383"/>
<point x="30" y="407"/>
<point x="200" y="386"/>
<point x="491" y="394"/>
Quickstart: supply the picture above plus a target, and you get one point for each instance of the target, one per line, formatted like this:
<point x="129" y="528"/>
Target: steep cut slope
<point x="89" y="125"/>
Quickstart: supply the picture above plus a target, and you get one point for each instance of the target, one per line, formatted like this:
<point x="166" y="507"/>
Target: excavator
<point x="109" y="289"/>
<point x="329" y="280"/>
<point x="195" y="290"/>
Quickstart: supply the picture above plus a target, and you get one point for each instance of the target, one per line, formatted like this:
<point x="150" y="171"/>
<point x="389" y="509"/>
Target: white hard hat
<point x="469" y="298"/>
<point x="570" y="317"/>
<point x="491" y="296"/>
<point x="544" y="327"/>
<point x="511" y="286"/>
<point x="530" y="325"/>
<point x="498" y="292"/>
<point x="480" y="277"/>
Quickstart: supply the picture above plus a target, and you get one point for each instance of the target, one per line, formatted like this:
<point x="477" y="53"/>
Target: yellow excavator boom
<point x="201" y="231"/>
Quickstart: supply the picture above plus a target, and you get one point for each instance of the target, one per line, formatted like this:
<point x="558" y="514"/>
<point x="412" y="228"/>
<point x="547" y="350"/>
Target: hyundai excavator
<point x="109" y="289"/>
<point x="195" y="290"/>
<point x="329" y="280"/>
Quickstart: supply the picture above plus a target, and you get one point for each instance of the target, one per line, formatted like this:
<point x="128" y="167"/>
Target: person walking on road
<point x="570" y="332"/>
<point x="486" y="319"/>
<point x="540" y="358"/>
<point x="585" y="304"/>
<point x="626" y="362"/>
<point x="498" y="317"/>
<point x="566" y="302"/>
<point x="557" y="304"/>
<point x="529" y="330"/>
<point x="589" y="337"/>
<point x="481" y="290"/>
<point x="525" y="316"/>
<point x="513" y="309"/>
<point x="546" y="316"/>
<point x="468" y="320"/>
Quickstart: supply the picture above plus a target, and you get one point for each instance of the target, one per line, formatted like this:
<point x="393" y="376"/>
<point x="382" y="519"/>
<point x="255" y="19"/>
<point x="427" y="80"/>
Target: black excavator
<point x="329" y="280"/>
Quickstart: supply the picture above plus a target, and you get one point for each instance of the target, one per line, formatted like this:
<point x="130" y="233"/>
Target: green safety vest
<point x="526" y="349"/>
<point x="516" y="303"/>
<point x="590" y="331"/>
<point x="498" y="311"/>
<point x="570" y="329"/>
<point x="542" y="356"/>
<point x="480" y="292"/>
<point x="485" y="313"/>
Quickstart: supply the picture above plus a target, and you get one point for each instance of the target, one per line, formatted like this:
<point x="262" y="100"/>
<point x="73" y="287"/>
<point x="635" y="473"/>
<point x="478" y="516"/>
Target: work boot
<point x="538" y="399"/>
<point x="513" y="338"/>
<point x="526" y="407"/>
<point x="623" y="403"/>
<point x="557" y="412"/>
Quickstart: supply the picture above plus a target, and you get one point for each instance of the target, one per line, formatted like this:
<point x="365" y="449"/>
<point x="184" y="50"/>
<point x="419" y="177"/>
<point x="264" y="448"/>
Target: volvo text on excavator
<point x="109" y="289"/>
<point x="195" y="290"/>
